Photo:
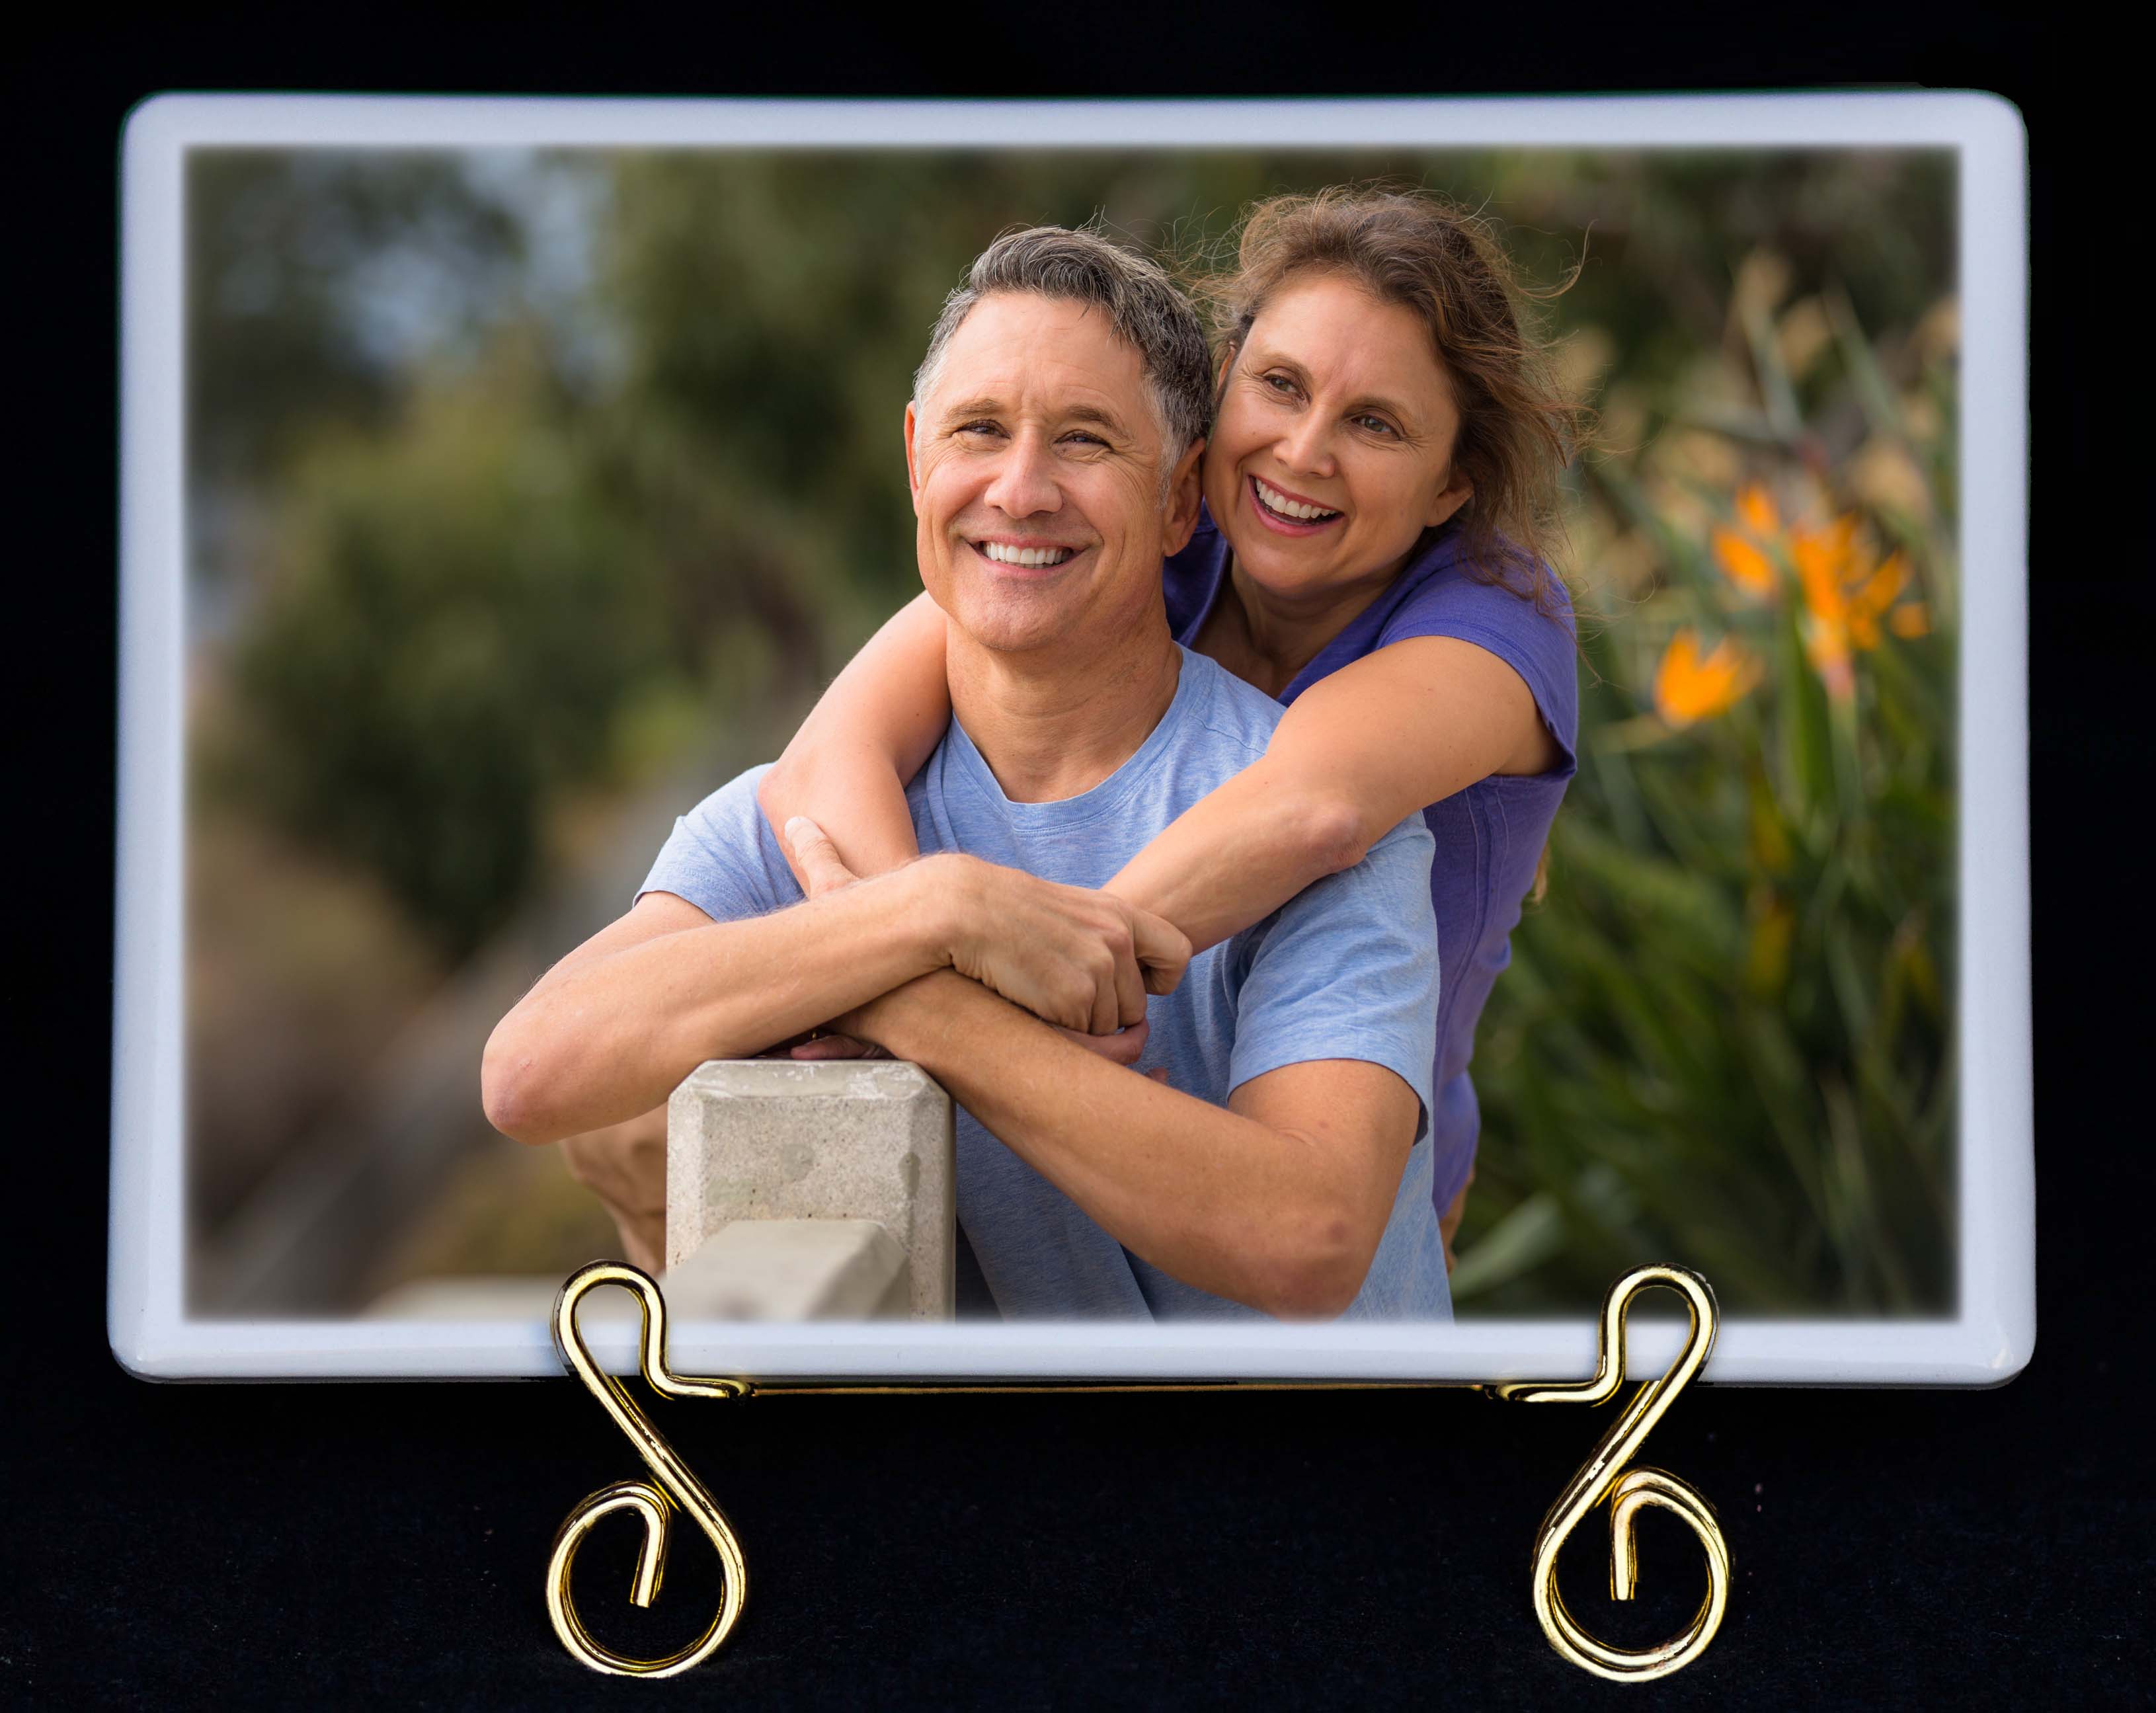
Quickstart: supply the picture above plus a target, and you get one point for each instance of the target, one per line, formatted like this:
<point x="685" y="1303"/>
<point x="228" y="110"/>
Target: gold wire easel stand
<point x="1604" y="1476"/>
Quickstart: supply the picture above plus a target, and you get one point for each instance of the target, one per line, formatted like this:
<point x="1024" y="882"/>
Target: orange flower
<point x="1824" y="558"/>
<point x="1688" y="689"/>
<point x="1912" y="620"/>
<point x="1740" y="556"/>
<point x="1871" y="597"/>
<point x="1743" y="564"/>
<point x="1845" y="599"/>
<point x="1755" y="509"/>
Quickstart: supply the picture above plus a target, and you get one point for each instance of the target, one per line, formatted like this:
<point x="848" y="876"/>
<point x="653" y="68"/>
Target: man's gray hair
<point x="1140" y="302"/>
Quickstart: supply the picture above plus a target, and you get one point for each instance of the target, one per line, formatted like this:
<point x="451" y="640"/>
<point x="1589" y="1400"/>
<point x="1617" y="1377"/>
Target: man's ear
<point x="913" y="468"/>
<point x="1186" y="491"/>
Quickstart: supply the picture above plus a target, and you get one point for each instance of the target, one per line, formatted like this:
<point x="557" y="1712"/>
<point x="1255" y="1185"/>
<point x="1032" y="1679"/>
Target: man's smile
<point x="1017" y="554"/>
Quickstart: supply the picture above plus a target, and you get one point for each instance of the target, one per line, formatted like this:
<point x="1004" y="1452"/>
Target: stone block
<point x="778" y="1139"/>
<point x="792" y="1269"/>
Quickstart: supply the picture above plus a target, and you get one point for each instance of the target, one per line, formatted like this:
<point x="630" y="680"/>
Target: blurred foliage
<point x="509" y="471"/>
<point x="292" y="258"/>
<point x="460" y="618"/>
<point x="1725" y="1038"/>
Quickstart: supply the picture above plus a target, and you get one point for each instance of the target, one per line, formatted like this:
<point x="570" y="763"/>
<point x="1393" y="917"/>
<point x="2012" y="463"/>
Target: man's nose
<point x="1025" y="485"/>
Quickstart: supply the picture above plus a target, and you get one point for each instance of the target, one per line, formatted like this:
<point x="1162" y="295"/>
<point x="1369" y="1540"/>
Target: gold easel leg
<point x="676" y="1484"/>
<point x="1604" y="1476"/>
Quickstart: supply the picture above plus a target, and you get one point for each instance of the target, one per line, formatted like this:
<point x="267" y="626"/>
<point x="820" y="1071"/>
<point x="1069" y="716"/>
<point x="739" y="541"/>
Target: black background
<point x="170" y="1546"/>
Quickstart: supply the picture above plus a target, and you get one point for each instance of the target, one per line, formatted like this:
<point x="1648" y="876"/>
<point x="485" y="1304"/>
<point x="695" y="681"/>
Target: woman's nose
<point x="1308" y="445"/>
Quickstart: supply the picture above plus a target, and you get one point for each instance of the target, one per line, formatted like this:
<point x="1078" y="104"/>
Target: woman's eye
<point x="1377" y="425"/>
<point x="1280" y="383"/>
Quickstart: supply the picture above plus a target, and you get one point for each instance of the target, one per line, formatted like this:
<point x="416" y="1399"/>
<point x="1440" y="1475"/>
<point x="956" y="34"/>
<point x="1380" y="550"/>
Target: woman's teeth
<point x="1031" y="558"/>
<point x="1274" y="501"/>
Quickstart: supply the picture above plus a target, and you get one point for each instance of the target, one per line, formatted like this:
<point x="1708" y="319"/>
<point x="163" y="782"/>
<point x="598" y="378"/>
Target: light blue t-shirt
<point x="1345" y="969"/>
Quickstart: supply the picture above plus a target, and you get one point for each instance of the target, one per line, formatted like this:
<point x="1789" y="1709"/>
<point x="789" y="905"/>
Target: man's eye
<point x="1080" y="437"/>
<point x="983" y="427"/>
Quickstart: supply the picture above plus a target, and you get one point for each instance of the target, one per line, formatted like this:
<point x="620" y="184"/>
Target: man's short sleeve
<point x="1347" y="969"/>
<point x="723" y="858"/>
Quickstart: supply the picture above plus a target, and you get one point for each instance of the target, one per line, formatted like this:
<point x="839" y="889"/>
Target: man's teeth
<point x="1031" y="557"/>
<point x="1277" y="501"/>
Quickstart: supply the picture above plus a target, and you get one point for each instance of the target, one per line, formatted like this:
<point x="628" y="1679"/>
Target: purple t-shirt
<point x="1489" y="836"/>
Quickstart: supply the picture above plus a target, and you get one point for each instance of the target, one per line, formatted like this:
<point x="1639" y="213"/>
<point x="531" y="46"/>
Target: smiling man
<point x="1271" y="1159"/>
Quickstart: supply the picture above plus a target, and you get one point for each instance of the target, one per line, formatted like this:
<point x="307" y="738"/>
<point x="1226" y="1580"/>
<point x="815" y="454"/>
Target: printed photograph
<point x="1070" y="735"/>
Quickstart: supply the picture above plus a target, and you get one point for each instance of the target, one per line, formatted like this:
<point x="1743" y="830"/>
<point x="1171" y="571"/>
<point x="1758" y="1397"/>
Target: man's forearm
<point x="1280" y="1220"/>
<point x="611" y="1035"/>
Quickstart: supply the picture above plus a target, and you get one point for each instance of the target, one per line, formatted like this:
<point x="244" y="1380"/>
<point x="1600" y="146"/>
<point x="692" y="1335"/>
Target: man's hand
<point x="624" y="1166"/>
<point x="1081" y="960"/>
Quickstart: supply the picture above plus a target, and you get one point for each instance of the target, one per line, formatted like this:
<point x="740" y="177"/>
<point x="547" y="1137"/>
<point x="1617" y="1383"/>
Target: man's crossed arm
<point x="1278" y="1201"/>
<point x="609" y="1031"/>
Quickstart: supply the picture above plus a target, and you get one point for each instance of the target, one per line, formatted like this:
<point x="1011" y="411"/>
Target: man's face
<point x="1036" y="466"/>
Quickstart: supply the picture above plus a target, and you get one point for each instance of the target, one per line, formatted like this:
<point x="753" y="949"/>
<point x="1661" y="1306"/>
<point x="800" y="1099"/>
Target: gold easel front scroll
<point x="1604" y="1477"/>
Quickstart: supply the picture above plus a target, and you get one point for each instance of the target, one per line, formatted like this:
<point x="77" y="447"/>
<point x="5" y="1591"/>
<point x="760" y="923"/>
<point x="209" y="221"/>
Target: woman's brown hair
<point x="1406" y="246"/>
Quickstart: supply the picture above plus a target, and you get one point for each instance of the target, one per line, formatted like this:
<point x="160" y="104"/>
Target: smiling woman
<point x="1330" y="458"/>
<point x="1441" y="355"/>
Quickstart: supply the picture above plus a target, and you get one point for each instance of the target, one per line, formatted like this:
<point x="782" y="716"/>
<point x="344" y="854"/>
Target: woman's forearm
<point x="1241" y="851"/>
<point x="853" y="791"/>
<point x="1356" y="754"/>
<point x="875" y="728"/>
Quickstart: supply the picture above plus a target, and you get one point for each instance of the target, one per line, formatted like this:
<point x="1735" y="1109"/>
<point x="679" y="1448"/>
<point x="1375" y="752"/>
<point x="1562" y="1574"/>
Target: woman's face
<point x="1332" y="449"/>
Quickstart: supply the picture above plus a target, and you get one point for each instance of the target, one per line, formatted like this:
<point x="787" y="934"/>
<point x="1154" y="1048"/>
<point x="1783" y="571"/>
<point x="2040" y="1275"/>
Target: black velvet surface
<point x="289" y="1544"/>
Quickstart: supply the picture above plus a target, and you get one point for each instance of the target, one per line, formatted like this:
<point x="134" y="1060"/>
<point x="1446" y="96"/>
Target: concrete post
<point x="754" y="1269"/>
<point x="830" y="1139"/>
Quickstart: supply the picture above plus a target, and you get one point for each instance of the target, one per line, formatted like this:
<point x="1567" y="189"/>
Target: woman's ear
<point x="1457" y="492"/>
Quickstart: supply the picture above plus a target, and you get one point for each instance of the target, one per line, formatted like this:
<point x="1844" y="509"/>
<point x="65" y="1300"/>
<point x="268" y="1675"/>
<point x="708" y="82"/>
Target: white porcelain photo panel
<point x="1225" y="741"/>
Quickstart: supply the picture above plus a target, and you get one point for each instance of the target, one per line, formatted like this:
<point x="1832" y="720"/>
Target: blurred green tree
<point x="458" y="619"/>
<point x="291" y="256"/>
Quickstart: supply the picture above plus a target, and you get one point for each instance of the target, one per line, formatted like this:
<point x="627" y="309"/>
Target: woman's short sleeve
<point x="1539" y="646"/>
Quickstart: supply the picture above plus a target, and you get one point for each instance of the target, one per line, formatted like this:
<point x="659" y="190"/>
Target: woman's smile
<point x="1289" y="513"/>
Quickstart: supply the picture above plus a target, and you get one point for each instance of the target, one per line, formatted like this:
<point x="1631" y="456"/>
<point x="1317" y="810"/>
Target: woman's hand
<point x="1082" y="960"/>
